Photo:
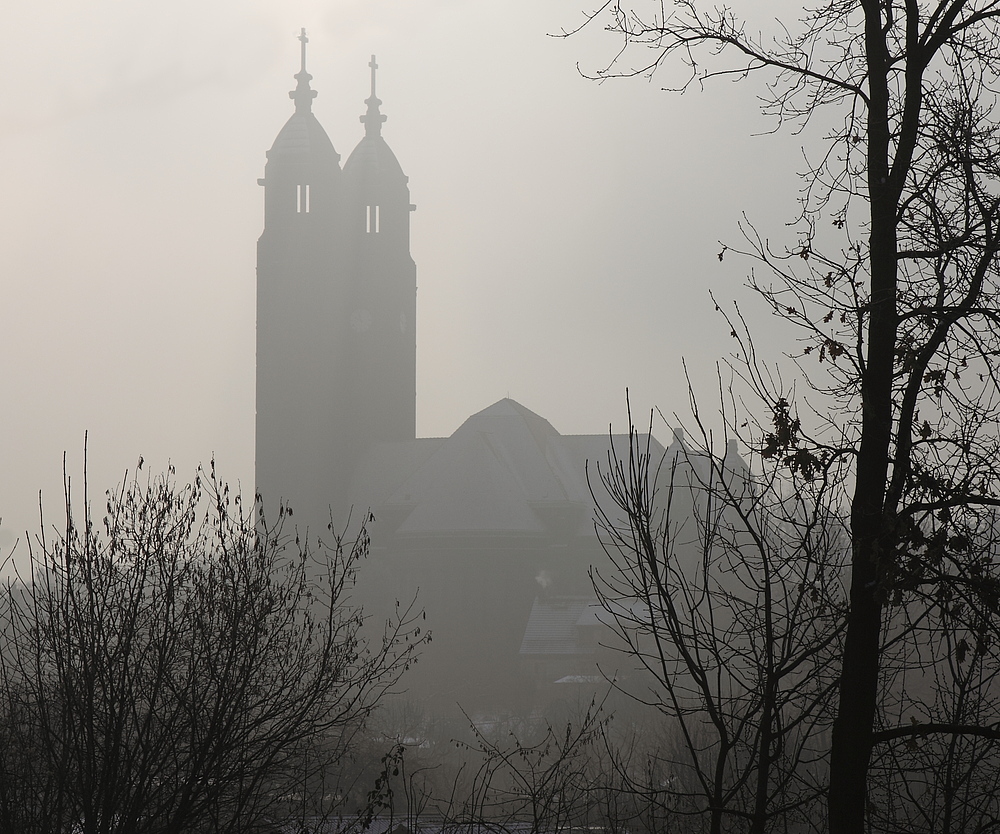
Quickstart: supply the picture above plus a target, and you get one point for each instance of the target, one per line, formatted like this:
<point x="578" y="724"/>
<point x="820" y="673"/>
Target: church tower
<point x="383" y="352"/>
<point x="336" y="302"/>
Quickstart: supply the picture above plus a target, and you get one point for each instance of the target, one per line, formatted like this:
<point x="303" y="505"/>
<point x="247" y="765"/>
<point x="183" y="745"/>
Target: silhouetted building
<point x="494" y="524"/>
<point x="482" y="522"/>
<point x="336" y="303"/>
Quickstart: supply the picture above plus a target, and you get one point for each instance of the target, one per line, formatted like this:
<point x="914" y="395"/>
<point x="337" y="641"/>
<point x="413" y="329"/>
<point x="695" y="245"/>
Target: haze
<point x="565" y="236"/>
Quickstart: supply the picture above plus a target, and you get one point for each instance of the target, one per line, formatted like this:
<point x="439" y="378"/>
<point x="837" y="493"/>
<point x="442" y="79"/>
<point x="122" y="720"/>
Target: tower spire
<point x="372" y="120"/>
<point x="303" y="95"/>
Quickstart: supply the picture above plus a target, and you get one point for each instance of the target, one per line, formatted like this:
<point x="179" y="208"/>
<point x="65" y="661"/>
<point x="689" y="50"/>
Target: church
<point x="491" y="528"/>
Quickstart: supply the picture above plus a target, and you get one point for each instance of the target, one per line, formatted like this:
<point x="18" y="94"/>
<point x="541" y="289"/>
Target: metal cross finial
<point x="372" y="120"/>
<point x="305" y="40"/>
<point x="302" y="95"/>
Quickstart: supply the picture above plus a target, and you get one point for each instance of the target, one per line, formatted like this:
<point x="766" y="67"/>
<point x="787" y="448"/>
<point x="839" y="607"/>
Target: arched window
<point x="302" y="199"/>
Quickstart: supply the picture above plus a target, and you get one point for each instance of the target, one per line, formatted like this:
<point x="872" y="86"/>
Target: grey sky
<point x="565" y="233"/>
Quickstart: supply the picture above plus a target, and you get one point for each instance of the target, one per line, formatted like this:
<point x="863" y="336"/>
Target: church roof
<point x="302" y="137"/>
<point x="372" y="159"/>
<point x="505" y="470"/>
<point x="489" y="473"/>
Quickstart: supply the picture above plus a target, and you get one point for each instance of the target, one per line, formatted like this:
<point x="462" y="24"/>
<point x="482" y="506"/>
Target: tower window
<point x="372" y="219"/>
<point x="302" y="199"/>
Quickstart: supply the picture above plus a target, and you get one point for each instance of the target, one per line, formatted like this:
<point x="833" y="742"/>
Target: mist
<point x="380" y="362"/>
<point x="556" y="246"/>
<point x="565" y="233"/>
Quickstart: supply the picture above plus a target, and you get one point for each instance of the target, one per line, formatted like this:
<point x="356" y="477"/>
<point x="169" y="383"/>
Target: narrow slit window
<point x="372" y="220"/>
<point x="302" y="199"/>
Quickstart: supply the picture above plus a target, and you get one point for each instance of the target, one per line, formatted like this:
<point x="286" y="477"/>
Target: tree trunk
<point x="853" y="728"/>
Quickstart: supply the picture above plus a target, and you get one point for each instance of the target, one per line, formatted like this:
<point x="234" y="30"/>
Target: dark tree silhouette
<point x="893" y="283"/>
<point x="185" y="668"/>
<point x="726" y="594"/>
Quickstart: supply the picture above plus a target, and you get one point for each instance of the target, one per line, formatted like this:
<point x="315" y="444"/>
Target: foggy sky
<point x="565" y="236"/>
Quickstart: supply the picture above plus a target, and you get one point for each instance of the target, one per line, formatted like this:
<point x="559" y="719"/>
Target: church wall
<point x="336" y="308"/>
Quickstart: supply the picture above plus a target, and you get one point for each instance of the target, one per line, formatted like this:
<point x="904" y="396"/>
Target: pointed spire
<point x="303" y="95"/>
<point x="372" y="120"/>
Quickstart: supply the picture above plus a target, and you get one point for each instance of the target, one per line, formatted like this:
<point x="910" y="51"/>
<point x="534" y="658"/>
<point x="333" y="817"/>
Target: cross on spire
<point x="303" y="94"/>
<point x="372" y="120"/>
<point x="304" y="40"/>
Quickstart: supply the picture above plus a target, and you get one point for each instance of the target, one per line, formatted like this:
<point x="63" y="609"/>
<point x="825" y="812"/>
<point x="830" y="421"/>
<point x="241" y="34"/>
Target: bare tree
<point x="936" y="781"/>
<point x="183" y="669"/>
<point x="537" y="785"/>
<point x="727" y="595"/>
<point x="893" y="282"/>
<point x="940" y="673"/>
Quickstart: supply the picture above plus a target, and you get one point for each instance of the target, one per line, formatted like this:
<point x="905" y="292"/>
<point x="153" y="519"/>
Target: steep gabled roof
<point x="507" y="471"/>
<point x="303" y="138"/>
<point x="493" y="474"/>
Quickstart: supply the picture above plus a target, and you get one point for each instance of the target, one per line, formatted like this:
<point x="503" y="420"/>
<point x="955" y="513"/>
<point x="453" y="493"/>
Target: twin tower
<point x="336" y="309"/>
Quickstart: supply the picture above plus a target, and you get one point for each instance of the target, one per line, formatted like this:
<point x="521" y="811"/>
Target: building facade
<point x="490" y="530"/>
<point x="336" y="308"/>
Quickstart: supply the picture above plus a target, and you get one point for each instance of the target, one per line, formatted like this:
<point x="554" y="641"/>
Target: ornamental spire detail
<point x="303" y="94"/>
<point x="373" y="119"/>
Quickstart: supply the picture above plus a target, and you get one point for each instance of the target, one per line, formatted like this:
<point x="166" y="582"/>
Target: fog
<point x="446" y="336"/>
<point x="565" y="235"/>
